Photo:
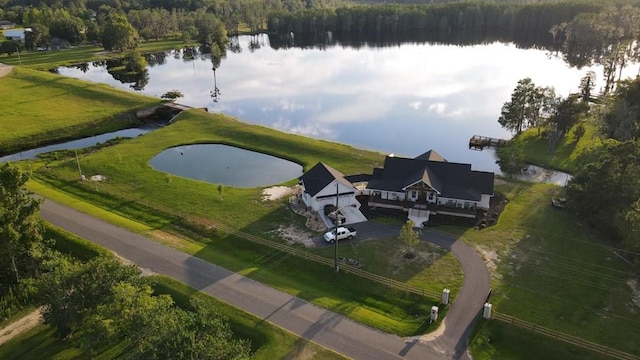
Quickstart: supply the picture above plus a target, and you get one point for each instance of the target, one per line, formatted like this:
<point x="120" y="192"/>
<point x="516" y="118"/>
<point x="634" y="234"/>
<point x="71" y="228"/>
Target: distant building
<point x="6" y="24"/>
<point x="16" y="34"/>
<point x="58" y="44"/>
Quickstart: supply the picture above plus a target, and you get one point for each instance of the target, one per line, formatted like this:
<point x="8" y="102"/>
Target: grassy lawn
<point x="495" y="340"/>
<point x="567" y="156"/>
<point x="551" y="270"/>
<point x="133" y="181"/>
<point x="168" y="204"/>
<point x="46" y="60"/>
<point x="41" y="107"/>
<point x="432" y="268"/>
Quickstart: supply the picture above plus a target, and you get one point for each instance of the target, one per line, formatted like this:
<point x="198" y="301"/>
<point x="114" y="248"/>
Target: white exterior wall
<point x="327" y="196"/>
<point x="484" y="202"/>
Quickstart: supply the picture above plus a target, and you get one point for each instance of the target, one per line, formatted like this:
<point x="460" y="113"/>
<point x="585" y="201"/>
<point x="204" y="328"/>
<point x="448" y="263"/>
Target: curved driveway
<point x="300" y="317"/>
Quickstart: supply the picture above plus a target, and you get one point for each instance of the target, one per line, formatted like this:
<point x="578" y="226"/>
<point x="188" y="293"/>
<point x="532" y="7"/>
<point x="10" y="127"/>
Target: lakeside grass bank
<point x="133" y="187"/>
<point x="47" y="60"/>
<point x="40" y="108"/>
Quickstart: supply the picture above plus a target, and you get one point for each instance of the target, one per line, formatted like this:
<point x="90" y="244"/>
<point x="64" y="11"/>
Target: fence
<point x="570" y="339"/>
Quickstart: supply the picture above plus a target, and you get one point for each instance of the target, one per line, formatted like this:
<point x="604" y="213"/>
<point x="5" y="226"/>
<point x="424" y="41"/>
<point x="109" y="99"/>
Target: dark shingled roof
<point x="431" y="155"/>
<point x="358" y="178"/>
<point x="452" y="180"/>
<point x="319" y="176"/>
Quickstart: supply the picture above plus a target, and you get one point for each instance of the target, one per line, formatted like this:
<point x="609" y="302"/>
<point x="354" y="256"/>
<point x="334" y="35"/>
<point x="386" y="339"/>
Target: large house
<point x="429" y="185"/>
<point x="422" y="186"/>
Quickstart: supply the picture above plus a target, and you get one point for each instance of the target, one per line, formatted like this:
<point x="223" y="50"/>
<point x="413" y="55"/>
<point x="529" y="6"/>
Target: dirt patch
<point x="301" y="351"/>
<point x="294" y="235"/>
<point x="19" y="326"/>
<point x="5" y="69"/>
<point x="489" y="255"/>
<point x="277" y="192"/>
<point x="499" y="182"/>
<point x="398" y="261"/>
<point x="635" y="294"/>
<point x="125" y="261"/>
<point x="168" y="239"/>
<point x="434" y="334"/>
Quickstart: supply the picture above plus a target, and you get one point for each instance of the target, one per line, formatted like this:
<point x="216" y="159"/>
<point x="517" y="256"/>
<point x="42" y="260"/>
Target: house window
<point x="413" y="194"/>
<point x="430" y="196"/>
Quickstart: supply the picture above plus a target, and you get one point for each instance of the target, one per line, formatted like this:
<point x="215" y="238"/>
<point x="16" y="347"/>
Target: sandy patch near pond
<point x="5" y="69"/>
<point x="277" y="192"/>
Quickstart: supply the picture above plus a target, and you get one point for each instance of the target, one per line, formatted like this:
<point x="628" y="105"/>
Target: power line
<point x="565" y="300"/>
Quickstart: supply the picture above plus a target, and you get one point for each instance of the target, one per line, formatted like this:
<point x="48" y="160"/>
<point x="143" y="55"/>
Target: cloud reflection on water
<point x="403" y="99"/>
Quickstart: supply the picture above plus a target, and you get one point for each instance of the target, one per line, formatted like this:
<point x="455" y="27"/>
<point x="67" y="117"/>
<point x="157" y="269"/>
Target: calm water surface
<point x="225" y="165"/>
<point x="76" y="144"/>
<point x="403" y="99"/>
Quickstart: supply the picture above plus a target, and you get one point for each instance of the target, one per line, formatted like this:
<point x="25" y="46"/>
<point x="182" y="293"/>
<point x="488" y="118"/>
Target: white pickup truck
<point x="343" y="233"/>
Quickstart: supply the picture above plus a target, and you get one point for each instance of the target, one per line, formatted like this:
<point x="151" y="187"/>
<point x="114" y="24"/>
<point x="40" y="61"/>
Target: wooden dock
<point x="478" y="142"/>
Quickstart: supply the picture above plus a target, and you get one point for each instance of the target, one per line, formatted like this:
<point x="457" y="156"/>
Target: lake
<point x="403" y="99"/>
<point x="226" y="165"/>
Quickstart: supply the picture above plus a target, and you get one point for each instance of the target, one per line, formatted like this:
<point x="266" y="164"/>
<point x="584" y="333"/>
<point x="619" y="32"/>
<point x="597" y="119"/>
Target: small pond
<point x="227" y="165"/>
<point x="75" y="144"/>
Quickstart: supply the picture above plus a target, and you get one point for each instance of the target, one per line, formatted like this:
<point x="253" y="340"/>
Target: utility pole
<point x="335" y="234"/>
<point x="78" y="162"/>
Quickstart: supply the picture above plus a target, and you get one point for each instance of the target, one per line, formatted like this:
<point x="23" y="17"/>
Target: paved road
<point x="300" y="317"/>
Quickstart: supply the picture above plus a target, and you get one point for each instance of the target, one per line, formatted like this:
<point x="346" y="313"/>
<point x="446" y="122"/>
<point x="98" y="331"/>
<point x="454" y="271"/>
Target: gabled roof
<point x="431" y="155"/>
<point x="319" y="176"/>
<point x="451" y="180"/>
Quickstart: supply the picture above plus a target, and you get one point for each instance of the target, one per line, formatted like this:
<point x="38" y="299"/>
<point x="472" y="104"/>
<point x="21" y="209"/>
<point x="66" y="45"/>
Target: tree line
<point x="99" y="302"/>
<point x="490" y="19"/>
<point x="605" y="191"/>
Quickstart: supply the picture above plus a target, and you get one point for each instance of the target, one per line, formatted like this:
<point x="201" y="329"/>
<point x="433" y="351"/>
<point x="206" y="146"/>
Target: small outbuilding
<point x="323" y="185"/>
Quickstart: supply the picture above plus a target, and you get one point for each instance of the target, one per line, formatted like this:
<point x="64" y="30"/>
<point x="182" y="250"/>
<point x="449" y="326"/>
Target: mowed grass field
<point x="550" y="269"/>
<point x="41" y="107"/>
<point x="171" y="205"/>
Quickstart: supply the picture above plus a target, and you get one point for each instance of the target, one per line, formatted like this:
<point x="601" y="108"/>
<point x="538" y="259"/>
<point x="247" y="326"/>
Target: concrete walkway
<point x="300" y="317"/>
